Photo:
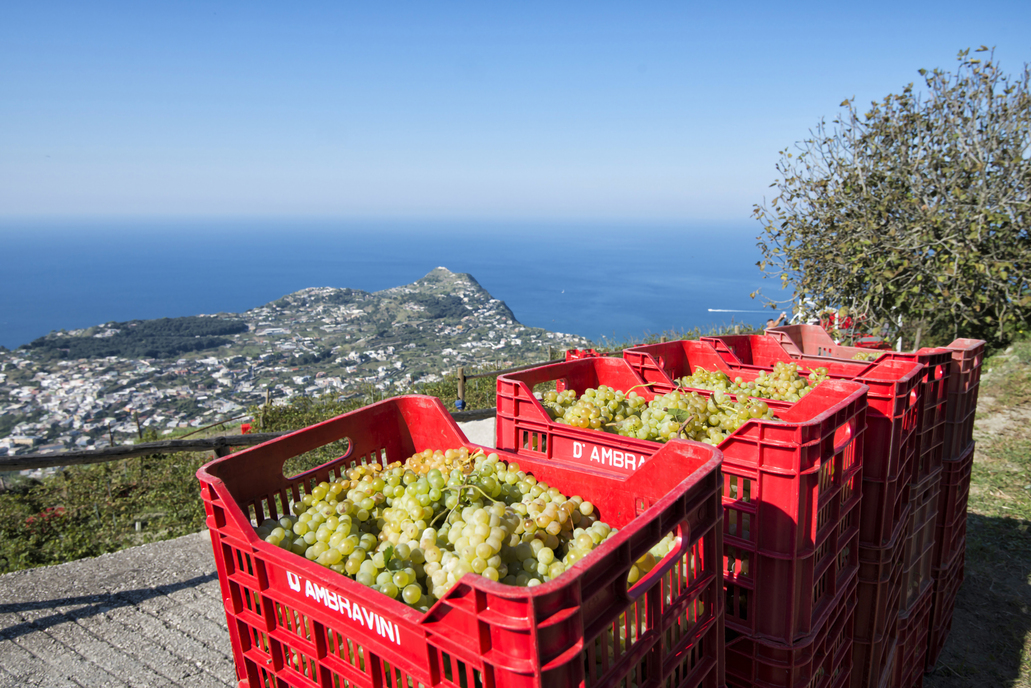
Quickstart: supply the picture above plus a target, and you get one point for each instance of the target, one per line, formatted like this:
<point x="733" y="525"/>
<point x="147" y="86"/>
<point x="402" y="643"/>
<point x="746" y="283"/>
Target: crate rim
<point x="863" y="368"/>
<point x="851" y="392"/>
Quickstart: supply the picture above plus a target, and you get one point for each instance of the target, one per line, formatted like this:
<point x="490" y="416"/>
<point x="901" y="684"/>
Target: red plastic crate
<point x="946" y="588"/>
<point x="879" y="655"/>
<point x="894" y="397"/>
<point x="889" y="441"/>
<point x="884" y="504"/>
<point x="879" y="594"/>
<point x="952" y="507"/>
<point x="660" y="364"/>
<point x="891" y="666"/>
<point x="293" y="622"/>
<point x="791" y="489"/>
<point x="802" y="341"/>
<point x="918" y="557"/>
<point x="912" y="642"/>
<point x="964" y="382"/>
<point x="880" y="579"/>
<point x="823" y="659"/>
<point x="928" y="460"/>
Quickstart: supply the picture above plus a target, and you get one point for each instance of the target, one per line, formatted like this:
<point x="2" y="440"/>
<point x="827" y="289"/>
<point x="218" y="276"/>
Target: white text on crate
<point x="352" y="610"/>
<point x="608" y="456"/>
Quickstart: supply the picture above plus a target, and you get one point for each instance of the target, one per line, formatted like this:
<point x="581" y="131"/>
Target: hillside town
<point x="310" y="343"/>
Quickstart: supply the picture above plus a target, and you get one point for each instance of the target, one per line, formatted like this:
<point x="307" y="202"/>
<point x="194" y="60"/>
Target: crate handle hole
<point x="681" y="548"/>
<point x="292" y="469"/>
<point x="843" y="435"/>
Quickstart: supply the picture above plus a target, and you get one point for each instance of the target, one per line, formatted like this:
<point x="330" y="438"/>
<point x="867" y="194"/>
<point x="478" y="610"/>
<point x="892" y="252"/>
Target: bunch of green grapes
<point x="413" y="530"/>
<point x="556" y="403"/>
<point x="865" y="355"/>
<point x="595" y="409"/>
<point x="683" y="414"/>
<point x="783" y="383"/>
<point x="690" y="415"/>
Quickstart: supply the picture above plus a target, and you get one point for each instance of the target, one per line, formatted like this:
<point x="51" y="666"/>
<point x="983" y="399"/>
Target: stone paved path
<point x="146" y="616"/>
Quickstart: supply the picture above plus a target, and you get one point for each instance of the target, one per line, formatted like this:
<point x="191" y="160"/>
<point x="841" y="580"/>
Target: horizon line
<point x="428" y="219"/>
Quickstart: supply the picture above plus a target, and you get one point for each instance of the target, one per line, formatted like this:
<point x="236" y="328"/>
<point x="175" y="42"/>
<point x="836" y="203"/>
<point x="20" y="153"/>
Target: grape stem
<point x="682" y="430"/>
<point x="643" y="384"/>
<point x="459" y="488"/>
<point x="619" y="423"/>
<point x="682" y="389"/>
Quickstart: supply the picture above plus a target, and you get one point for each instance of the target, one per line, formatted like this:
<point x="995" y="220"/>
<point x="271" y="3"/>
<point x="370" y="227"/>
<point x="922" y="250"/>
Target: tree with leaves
<point x="915" y="211"/>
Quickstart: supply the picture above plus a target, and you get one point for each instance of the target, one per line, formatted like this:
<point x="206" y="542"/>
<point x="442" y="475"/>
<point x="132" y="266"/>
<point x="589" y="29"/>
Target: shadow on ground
<point x="87" y="605"/>
<point x="990" y="642"/>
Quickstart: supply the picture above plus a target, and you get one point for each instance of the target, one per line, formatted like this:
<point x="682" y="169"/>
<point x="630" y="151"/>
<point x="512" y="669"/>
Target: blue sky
<point x="532" y="110"/>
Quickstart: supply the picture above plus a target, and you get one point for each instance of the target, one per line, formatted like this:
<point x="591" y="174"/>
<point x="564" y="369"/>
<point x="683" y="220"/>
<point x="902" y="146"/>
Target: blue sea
<point x="602" y="281"/>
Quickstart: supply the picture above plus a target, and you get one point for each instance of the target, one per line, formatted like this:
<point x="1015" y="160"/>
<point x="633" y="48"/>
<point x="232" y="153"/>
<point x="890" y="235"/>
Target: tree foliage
<point x="161" y="338"/>
<point x="437" y="307"/>
<point x="916" y="210"/>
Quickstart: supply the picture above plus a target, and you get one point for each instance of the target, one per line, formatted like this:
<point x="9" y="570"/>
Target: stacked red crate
<point x="943" y="602"/>
<point x="890" y="441"/>
<point x="879" y="598"/>
<point x="964" y="384"/>
<point x="805" y="341"/>
<point x="958" y="453"/>
<point x="945" y="442"/>
<point x="950" y="549"/>
<point x="913" y="630"/>
<point x="918" y="582"/>
<point x="821" y="659"/>
<point x="790" y="494"/>
<point x="890" y="446"/>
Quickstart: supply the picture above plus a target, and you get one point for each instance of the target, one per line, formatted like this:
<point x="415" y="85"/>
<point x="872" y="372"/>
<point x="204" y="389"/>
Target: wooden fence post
<point x="461" y="388"/>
